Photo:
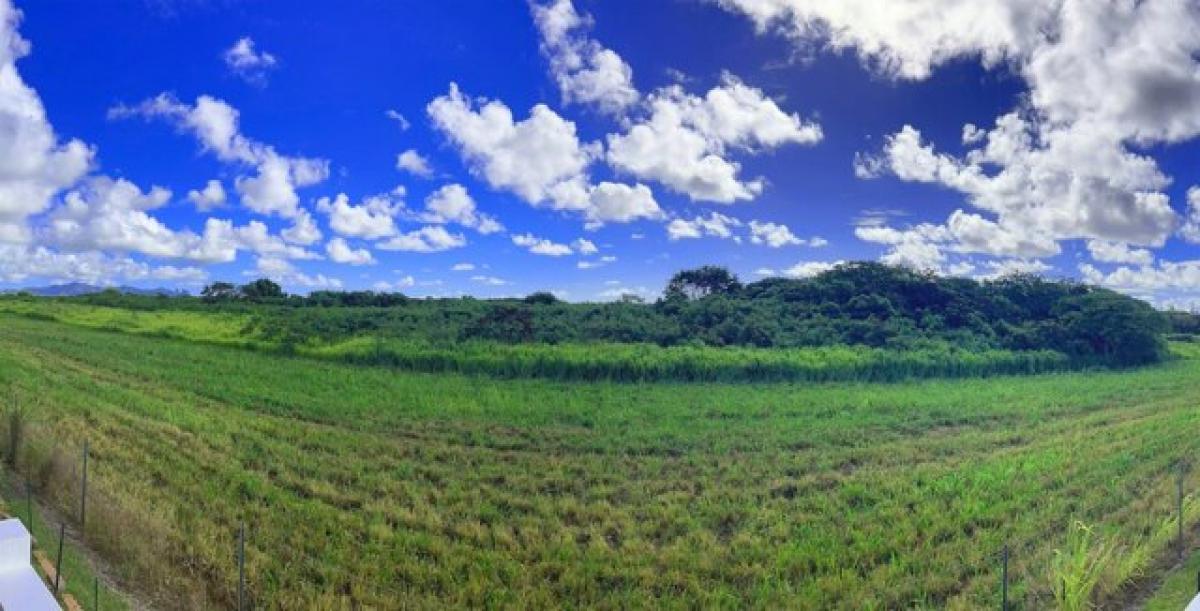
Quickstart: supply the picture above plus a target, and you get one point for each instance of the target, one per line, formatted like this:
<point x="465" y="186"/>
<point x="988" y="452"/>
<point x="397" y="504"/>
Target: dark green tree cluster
<point x="259" y="290"/>
<point x="879" y="305"/>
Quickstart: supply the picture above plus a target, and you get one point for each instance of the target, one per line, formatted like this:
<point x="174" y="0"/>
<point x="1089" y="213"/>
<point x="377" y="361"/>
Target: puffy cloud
<point x="611" y="202"/>
<point x="19" y="263"/>
<point x="775" y="235"/>
<point x="1051" y="185"/>
<point x="763" y="233"/>
<point x="541" y="246"/>
<point x="586" y="71"/>
<point x="452" y="204"/>
<point x="906" y="39"/>
<point x="107" y="214"/>
<point x="431" y="238"/>
<point x="210" y="197"/>
<point x="113" y="215"/>
<point x="584" y="246"/>
<point x="34" y="165"/>
<point x="283" y="272"/>
<point x="1119" y="252"/>
<point x="684" y="140"/>
<point x="222" y="240"/>
<point x="716" y="225"/>
<point x="1102" y="76"/>
<point x="304" y="230"/>
<point x="250" y="65"/>
<point x="538" y="158"/>
<point x="373" y="219"/>
<point x="463" y="267"/>
<point x="1190" y="229"/>
<point x="341" y="252"/>
<point x="215" y="124"/>
<point x="414" y="163"/>
<point x="1181" y="276"/>
<point x="917" y="248"/>
<point x="273" y="190"/>
<point x="975" y="234"/>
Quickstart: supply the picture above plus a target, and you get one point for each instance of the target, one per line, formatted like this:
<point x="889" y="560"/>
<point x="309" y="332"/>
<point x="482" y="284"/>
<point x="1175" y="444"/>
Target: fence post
<point x="62" y="534"/>
<point x="241" y="566"/>
<point x="95" y="594"/>
<point x="1004" y="578"/>
<point x="1179" y="505"/>
<point x="83" y="493"/>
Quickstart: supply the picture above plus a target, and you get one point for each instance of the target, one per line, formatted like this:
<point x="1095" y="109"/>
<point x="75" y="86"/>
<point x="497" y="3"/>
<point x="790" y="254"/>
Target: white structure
<point x="21" y="589"/>
<point x="1194" y="605"/>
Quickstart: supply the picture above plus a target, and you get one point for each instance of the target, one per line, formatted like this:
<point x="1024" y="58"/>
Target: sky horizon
<point x="594" y="148"/>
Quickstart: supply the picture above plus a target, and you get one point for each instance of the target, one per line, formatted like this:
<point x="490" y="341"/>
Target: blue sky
<point x="588" y="152"/>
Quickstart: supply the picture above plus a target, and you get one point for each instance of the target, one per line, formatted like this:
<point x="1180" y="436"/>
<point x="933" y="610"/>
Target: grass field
<point x="628" y="362"/>
<point x="1178" y="589"/>
<point x="369" y="486"/>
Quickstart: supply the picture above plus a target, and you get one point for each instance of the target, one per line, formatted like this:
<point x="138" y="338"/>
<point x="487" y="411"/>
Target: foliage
<point x="855" y="304"/>
<point x="1079" y="567"/>
<point x="493" y="345"/>
<point x="541" y="298"/>
<point x="261" y="289"/>
<point x="701" y="282"/>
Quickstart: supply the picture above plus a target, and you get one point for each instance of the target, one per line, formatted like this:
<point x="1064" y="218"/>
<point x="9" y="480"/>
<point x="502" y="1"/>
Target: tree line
<point x="860" y="303"/>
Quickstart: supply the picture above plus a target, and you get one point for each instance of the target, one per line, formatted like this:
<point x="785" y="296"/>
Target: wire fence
<point x="57" y="485"/>
<point x="59" y="477"/>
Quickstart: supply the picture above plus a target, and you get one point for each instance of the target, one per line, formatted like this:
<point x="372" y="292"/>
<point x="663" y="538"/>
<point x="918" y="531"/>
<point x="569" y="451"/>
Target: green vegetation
<point x="364" y="485"/>
<point x="860" y="321"/>
<point x="1178" y="589"/>
<point x="612" y="362"/>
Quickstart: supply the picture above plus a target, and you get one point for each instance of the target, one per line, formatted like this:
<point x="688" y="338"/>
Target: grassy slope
<point x="435" y="489"/>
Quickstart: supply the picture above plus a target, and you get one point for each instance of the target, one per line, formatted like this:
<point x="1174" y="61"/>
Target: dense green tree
<point x="541" y="298"/>
<point x="261" y="289"/>
<point x="1112" y="327"/>
<point x="502" y="323"/>
<point x="702" y="282"/>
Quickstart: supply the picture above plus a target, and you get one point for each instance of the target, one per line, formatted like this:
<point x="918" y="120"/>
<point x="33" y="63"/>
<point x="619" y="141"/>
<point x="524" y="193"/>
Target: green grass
<point x="1178" y="589"/>
<point x="581" y="362"/>
<point x="373" y="486"/>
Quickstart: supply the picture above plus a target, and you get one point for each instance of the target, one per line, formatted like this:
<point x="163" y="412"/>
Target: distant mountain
<point x="73" y="289"/>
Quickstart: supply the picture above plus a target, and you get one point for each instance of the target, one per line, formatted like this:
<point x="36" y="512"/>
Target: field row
<point x="363" y="485"/>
